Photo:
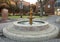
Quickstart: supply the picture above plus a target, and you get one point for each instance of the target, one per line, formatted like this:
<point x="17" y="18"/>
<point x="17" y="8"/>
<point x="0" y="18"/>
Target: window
<point x="49" y="6"/>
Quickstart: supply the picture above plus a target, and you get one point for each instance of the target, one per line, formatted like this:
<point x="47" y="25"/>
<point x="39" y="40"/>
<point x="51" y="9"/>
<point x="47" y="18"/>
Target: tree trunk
<point x="41" y="10"/>
<point x="21" y="15"/>
<point x="13" y="13"/>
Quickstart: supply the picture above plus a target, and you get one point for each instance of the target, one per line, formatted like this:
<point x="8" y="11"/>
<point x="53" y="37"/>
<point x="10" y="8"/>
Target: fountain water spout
<point x="31" y="12"/>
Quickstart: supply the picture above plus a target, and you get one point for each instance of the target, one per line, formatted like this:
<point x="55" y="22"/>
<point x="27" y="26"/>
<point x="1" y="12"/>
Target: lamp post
<point x="42" y="3"/>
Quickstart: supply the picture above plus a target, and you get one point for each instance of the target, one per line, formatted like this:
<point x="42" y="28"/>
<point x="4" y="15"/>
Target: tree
<point x="3" y="4"/>
<point x="26" y="9"/>
<point x="13" y="8"/>
<point x="33" y="7"/>
<point x="42" y="3"/>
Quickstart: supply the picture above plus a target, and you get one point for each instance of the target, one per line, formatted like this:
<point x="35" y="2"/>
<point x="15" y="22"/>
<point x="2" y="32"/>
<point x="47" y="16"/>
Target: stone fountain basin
<point x="15" y="34"/>
<point x="58" y="20"/>
<point x="36" y="26"/>
<point x="31" y="33"/>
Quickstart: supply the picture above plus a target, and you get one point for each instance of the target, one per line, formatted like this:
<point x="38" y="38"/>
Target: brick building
<point x="49" y="7"/>
<point x="24" y="3"/>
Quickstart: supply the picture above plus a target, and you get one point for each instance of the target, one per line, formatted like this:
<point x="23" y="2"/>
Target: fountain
<point x="35" y="30"/>
<point x="30" y="30"/>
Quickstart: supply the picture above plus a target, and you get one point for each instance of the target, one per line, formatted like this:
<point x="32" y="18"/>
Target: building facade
<point x="48" y="8"/>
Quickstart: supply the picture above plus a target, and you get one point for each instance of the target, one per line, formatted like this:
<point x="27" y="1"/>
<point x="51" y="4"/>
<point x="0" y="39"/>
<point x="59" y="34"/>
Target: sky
<point x="34" y="1"/>
<point x="31" y="1"/>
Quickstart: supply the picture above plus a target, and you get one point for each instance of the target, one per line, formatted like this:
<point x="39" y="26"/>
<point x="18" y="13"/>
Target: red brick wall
<point x="50" y="11"/>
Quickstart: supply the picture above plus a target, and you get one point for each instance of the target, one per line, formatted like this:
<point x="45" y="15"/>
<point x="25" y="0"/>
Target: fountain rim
<point x="51" y="34"/>
<point x="16" y="23"/>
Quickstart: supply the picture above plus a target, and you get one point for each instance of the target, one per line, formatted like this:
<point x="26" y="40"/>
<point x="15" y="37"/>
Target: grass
<point x="16" y="17"/>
